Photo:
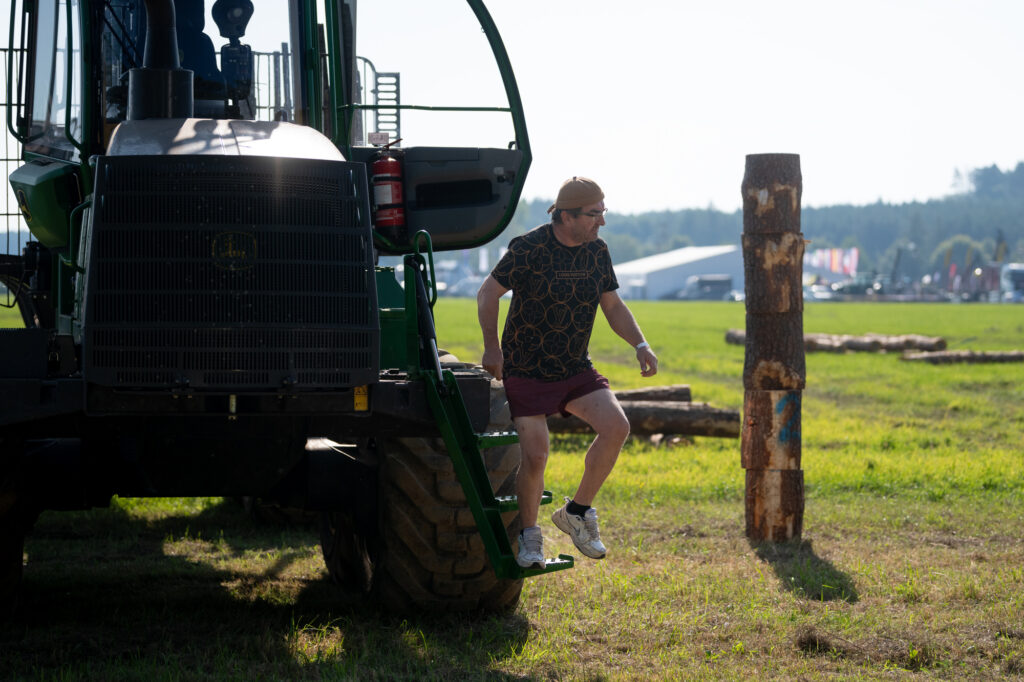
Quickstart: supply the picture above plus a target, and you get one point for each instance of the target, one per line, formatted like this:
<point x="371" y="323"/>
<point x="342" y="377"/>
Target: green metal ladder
<point x="464" y="445"/>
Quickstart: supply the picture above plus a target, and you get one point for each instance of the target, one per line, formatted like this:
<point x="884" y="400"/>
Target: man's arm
<point x="622" y="322"/>
<point x="487" y="312"/>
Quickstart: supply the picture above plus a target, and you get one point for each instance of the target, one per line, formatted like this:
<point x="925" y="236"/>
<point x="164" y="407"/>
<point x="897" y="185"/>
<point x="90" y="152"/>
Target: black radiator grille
<point x="225" y="272"/>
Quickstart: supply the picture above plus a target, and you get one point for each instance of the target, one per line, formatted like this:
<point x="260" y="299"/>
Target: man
<point x="559" y="274"/>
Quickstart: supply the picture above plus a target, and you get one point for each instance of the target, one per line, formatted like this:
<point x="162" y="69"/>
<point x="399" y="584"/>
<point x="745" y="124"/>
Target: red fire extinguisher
<point x="388" y="206"/>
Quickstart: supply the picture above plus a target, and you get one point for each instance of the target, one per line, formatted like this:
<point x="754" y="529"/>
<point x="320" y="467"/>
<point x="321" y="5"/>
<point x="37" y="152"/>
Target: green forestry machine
<point x="205" y="313"/>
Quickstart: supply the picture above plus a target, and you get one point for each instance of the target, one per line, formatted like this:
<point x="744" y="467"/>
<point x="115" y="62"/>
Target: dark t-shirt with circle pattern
<point x="556" y="291"/>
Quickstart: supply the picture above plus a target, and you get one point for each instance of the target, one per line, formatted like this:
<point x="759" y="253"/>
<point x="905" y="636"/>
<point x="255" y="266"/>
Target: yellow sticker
<point x="361" y="398"/>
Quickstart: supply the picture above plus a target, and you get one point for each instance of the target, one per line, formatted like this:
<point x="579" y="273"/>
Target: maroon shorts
<point x="528" y="397"/>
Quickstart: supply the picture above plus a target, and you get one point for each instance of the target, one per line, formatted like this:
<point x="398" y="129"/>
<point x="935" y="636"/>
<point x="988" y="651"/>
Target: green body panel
<point x="391" y="301"/>
<point x="47" y="191"/>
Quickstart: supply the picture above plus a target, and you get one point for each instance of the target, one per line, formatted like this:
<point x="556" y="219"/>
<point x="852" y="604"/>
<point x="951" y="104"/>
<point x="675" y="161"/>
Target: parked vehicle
<point x="1011" y="282"/>
<point x="707" y="288"/>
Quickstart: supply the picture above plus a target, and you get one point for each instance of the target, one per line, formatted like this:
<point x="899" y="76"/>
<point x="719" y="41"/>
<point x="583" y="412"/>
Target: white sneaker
<point x="582" y="529"/>
<point x="531" y="548"/>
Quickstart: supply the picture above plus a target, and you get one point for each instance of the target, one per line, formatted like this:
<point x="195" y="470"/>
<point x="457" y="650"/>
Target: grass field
<point x="911" y="564"/>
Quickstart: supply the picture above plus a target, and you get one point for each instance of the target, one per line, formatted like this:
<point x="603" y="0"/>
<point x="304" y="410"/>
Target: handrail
<point x="420" y="107"/>
<point x="10" y="75"/>
<point x="69" y="66"/>
<point x="431" y="279"/>
<point x="332" y="69"/>
<point x="72" y="262"/>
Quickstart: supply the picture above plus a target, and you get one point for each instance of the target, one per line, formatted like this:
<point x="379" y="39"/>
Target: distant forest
<point x="981" y="225"/>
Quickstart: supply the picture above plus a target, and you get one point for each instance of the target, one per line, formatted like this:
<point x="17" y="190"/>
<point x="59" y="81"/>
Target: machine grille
<point x="224" y="273"/>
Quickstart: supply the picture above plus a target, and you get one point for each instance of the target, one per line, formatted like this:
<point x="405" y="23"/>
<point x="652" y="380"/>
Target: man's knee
<point x="616" y="427"/>
<point x="534" y="458"/>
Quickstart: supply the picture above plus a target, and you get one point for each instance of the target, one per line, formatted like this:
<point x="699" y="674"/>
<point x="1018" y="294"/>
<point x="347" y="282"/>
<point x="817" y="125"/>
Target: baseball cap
<point x="577" y="192"/>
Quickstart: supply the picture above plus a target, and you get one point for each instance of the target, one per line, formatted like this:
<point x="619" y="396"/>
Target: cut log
<point x="774" y="364"/>
<point x="774" y="358"/>
<point x="870" y="343"/>
<point x="648" y="417"/>
<point x="774" y="504"/>
<point x="909" y="342"/>
<point x="679" y="393"/>
<point x="771" y="430"/>
<point x="948" y="357"/>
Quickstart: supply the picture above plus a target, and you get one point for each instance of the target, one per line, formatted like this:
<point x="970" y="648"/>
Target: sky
<point x="661" y="102"/>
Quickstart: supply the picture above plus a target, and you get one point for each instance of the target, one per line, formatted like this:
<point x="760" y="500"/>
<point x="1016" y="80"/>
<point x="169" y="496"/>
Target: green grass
<point x="911" y="564"/>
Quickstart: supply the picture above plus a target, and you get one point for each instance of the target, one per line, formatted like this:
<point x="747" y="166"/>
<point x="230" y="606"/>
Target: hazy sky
<point x="661" y="101"/>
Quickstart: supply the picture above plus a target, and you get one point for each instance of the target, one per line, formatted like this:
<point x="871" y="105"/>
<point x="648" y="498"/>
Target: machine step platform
<point x="461" y="440"/>
<point x="507" y="503"/>
<point x="464" y="447"/>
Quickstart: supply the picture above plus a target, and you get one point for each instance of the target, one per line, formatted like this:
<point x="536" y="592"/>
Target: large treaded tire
<point x="16" y="518"/>
<point x="430" y="554"/>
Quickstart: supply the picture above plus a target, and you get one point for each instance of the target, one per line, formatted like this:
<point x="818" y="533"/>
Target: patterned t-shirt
<point x="556" y="290"/>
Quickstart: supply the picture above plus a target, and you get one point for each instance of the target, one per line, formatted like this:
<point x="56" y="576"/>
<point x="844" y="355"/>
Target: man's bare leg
<point x="602" y="411"/>
<point x="533" y="443"/>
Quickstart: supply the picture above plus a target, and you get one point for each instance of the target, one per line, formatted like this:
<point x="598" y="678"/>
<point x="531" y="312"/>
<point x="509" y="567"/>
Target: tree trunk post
<point x="774" y="372"/>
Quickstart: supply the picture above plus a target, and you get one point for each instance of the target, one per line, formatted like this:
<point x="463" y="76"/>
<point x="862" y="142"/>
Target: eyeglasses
<point x="593" y="214"/>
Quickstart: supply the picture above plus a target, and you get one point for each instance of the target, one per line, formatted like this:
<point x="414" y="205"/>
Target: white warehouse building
<point x="664" y="275"/>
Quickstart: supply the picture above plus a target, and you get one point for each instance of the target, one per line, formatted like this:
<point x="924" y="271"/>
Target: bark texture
<point x="774" y="370"/>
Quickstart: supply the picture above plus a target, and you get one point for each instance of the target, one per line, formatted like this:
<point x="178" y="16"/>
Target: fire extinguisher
<point x="388" y="206"/>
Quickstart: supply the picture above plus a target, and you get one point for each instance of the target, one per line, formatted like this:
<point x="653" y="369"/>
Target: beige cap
<point x="577" y="193"/>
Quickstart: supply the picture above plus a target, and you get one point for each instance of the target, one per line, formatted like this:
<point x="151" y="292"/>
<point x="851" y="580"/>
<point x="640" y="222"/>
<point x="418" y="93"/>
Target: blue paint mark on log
<point x="791" y="429"/>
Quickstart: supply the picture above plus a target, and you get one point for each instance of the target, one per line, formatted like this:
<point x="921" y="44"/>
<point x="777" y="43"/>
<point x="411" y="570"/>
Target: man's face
<point x="583" y="225"/>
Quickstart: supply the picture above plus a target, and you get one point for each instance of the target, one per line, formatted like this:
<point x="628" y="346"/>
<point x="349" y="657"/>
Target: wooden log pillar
<point x="774" y="372"/>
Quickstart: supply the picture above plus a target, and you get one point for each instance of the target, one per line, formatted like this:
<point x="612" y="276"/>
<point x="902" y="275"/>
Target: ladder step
<point x="507" y="503"/>
<point x="496" y="439"/>
<point x="559" y="563"/>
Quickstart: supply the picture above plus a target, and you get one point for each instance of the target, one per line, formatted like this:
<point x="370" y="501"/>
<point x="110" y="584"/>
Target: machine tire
<point x="16" y="518"/>
<point x="429" y="553"/>
<point x="12" y="548"/>
<point x="346" y="552"/>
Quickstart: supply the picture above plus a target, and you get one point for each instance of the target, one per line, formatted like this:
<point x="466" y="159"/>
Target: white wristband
<point x="641" y="346"/>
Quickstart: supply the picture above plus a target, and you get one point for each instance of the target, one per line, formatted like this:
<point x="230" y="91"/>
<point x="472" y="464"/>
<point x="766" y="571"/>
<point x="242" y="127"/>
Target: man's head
<point x="575" y="193"/>
<point x="578" y="212"/>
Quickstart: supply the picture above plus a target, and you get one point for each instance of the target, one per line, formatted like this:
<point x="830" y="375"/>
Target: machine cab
<point x="280" y="63"/>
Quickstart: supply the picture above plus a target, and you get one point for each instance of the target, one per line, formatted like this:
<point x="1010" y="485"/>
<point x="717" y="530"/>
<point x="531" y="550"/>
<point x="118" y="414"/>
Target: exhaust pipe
<point x="161" y="88"/>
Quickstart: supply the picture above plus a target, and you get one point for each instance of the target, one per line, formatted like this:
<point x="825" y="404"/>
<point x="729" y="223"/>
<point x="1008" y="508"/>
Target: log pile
<point x="969" y="356"/>
<point x="665" y="410"/>
<point x="649" y="417"/>
<point x="869" y="343"/>
<point x="679" y="393"/>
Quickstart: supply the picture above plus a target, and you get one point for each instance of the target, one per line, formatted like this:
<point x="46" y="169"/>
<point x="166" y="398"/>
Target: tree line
<point x="983" y="224"/>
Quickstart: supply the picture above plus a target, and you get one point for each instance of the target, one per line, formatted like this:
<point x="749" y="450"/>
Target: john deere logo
<point x="234" y="250"/>
<point x="23" y="206"/>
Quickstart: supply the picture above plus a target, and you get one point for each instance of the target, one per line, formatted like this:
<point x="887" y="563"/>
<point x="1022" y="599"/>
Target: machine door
<point x="459" y="195"/>
<point x="442" y="97"/>
<point x="54" y="80"/>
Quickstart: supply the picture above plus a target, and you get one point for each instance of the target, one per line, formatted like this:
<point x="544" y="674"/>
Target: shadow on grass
<point x="803" y="572"/>
<point x="103" y="599"/>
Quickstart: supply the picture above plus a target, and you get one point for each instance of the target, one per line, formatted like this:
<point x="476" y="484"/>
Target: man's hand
<point x="493" y="362"/>
<point x="648" y="362"/>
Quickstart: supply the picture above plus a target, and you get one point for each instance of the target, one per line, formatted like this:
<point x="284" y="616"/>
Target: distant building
<point x="664" y="275"/>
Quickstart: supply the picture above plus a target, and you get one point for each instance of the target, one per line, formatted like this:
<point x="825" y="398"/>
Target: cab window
<point x="53" y="115"/>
